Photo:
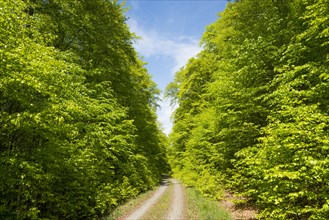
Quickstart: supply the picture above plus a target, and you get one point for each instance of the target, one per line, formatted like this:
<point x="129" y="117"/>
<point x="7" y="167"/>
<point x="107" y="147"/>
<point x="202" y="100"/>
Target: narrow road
<point x="176" y="210"/>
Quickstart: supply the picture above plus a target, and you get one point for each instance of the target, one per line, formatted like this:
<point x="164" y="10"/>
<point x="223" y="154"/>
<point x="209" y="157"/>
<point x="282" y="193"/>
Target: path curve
<point x="138" y="213"/>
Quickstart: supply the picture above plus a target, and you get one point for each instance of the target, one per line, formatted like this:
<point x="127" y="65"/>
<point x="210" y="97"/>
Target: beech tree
<point x="76" y="107"/>
<point x="262" y="130"/>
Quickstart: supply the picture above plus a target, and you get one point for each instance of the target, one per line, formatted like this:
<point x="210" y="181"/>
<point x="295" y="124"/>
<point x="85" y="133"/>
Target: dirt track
<point x="176" y="210"/>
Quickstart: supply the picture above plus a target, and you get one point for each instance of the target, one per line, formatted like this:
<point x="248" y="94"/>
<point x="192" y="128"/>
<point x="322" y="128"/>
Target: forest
<point x="253" y="106"/>
<point x="78" y="132"/>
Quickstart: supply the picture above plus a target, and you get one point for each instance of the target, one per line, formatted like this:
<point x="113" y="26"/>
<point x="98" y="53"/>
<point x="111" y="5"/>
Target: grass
<point x="199" y="207"/>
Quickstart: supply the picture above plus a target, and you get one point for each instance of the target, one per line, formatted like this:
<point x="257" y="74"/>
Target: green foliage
<point x="200" y="207"/>
<point x="259" y="124"/>
<point x="76" y="106"/>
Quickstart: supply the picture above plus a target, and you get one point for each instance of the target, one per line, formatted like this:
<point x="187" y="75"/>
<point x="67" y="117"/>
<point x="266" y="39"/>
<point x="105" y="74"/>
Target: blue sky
<point x="170" y="32"/>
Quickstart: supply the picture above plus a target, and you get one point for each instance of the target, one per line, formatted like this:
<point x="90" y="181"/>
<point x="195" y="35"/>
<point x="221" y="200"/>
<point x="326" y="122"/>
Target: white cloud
<point x="180" y="49"/>
<point x="164" y="114"/>
<point x="183" y="54"/>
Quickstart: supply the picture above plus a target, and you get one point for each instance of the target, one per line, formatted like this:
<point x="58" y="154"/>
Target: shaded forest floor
<point x="240" y="210"/>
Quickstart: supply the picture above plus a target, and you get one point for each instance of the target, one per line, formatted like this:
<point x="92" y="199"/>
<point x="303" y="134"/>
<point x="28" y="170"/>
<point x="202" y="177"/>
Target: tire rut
<point x="177" y="205"/>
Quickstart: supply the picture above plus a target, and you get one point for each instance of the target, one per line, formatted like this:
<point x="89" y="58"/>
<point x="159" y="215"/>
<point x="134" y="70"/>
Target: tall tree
<point x="76" y="103"/>
<point x="263" y="128"/>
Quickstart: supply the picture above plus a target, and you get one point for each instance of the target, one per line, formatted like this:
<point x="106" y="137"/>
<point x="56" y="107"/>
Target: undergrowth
<point x="200" y="207"/>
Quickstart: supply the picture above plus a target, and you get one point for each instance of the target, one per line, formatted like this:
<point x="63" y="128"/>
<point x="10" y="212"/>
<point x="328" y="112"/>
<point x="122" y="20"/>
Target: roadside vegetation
<point x="78" y="128"/>
<point x="253" y="109"/>
<point x="131" y="205"/>
<point x="200" y="207"/>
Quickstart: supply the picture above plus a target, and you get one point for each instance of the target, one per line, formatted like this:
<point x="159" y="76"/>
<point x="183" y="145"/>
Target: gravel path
<point x="176" y="210"/>
<point x="177" y="205"/>
<point x="138" y="214"/>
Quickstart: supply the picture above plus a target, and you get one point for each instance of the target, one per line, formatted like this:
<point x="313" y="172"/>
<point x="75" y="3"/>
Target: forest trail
<point x="176" y="210"/>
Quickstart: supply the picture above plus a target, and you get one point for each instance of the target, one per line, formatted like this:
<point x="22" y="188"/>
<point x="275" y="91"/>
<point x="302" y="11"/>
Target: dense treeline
<point x="253" y="108"/>
<point x="78" y="130"/>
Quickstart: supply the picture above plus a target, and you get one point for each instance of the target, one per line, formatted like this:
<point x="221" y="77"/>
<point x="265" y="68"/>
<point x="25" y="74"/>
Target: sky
<point x="170" y="32"/>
